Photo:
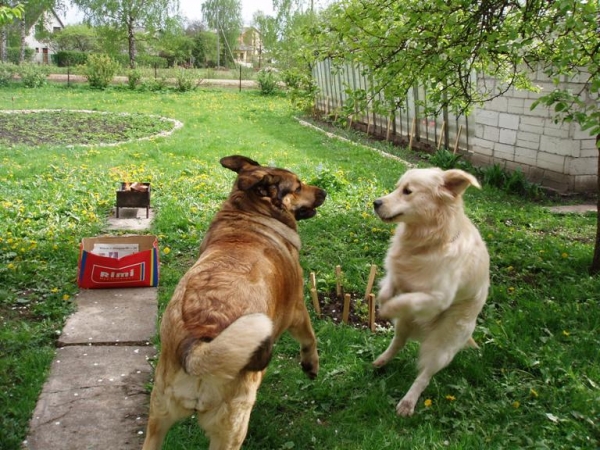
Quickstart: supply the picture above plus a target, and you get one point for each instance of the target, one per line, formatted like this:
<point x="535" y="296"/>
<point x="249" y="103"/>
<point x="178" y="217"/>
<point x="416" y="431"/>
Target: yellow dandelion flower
<point x="534" y="393"/>
<point x="166" y="250"/>
<point x="427" y="403"/>
<point x="54" y="290"/>
<point x="565" y="255"/>
<point x="66" y="297"/>
<point x="511" y="289"/>
<point x="11" y="266"/>
<point x="566" y="333"/>
<point x="516" y="404"/>
<point x="450" y="398"/>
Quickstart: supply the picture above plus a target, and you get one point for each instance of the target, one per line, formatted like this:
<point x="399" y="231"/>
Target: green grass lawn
<point x="535" y="382"/>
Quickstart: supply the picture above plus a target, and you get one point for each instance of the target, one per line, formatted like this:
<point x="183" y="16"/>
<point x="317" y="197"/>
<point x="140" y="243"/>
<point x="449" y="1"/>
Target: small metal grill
<point x="130" y="198"/>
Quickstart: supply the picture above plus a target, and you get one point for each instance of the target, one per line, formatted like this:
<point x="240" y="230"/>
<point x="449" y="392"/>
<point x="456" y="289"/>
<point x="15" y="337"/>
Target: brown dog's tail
<point x="245" y="344"/>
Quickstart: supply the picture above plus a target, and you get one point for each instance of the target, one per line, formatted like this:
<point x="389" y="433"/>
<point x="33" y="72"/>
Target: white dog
<point x="437" y="272"/>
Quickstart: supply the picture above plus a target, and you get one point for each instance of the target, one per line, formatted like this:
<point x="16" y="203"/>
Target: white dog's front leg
<point x="386" y="290"/>
<point x="421" y="305"/>
<point x="398" y="342"/>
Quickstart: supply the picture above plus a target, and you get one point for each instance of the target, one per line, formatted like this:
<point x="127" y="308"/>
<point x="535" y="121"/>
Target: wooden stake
<point x="441" y="134"/>
<point x="457" y="139"/>
<point x="346" y="310"/>
<point x="338" y="281"/>
<point x="370" y="281"/>
<point x="371" y="303"/>
<point x="350" y="122"/>
<point x="313" y="281"/>
<point x="313" y="294"/>
<point x="412" y="132"/>
<point x="315" y="300"/>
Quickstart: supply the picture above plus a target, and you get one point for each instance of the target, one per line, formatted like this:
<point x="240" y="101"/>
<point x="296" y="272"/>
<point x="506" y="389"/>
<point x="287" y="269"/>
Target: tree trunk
<point x="23" y="28"/>
<point x="595" y="268"/>
<point x="3" y="43"/>
<point x="131" y="39"/>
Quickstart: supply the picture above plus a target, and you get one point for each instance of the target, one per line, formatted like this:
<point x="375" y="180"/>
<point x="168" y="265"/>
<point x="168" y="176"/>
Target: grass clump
<point x="533" y="384"/>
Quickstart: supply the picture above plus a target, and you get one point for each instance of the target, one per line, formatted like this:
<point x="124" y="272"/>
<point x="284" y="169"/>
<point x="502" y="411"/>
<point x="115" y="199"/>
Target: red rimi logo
<point x="127" y="274"/>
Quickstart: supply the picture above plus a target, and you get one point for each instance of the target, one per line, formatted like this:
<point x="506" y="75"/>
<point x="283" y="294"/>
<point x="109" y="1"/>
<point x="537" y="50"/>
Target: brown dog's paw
<point x="310" y="370"/>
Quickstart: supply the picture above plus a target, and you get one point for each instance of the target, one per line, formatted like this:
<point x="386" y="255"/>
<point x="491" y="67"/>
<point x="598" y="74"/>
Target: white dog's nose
<point x="377" y="203"/>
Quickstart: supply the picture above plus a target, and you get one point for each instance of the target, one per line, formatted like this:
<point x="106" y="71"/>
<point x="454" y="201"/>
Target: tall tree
<point x="8" y="13"/>
<point x="267" y="29"/>
<point x="30" y="12"/>
<point x="440" y="43"/>
<point x="35" y="14"/>
<point x="128" y="16"/>
<point x="224" y="16"/>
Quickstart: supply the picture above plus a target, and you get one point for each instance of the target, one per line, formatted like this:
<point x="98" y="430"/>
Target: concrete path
<point x="575" y="209"/>
<point x="95" y="396"/>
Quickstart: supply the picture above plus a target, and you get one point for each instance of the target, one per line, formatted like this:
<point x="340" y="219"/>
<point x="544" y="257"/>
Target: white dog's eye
<point x="406" y="191"/>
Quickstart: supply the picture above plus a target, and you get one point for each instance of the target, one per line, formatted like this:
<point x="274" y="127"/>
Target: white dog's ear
<point x="457" y="181"/>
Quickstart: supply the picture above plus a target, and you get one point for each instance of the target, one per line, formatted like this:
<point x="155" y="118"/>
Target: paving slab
<point x="94" y="398"/>
<point x="112" y="316"/>
<point x="133" y="219"/>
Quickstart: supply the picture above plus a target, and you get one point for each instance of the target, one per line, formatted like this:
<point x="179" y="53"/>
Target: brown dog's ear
<point x="256" y="179"/>
<point x="457" y="181"/>
<point x="237" y="162"/>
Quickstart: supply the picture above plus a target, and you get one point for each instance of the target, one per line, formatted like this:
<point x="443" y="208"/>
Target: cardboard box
<point x="118" y="262"/>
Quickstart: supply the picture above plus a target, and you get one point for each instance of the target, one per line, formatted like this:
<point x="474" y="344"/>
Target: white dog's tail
<point x="246" y="343"/>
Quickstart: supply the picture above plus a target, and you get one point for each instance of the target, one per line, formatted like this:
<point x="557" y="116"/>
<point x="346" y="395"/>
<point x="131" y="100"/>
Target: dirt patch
<point x="332" y="307"/>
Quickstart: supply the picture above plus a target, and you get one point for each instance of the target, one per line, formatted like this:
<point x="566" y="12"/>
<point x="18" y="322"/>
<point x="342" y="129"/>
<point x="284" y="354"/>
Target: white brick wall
<point x="558" y="155"/>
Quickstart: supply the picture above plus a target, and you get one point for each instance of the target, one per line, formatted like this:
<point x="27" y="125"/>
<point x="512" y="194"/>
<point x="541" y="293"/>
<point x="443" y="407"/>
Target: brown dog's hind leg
<point x="226" y="424"/>
<point x="160" y="420"/>
<point x="303" y="332"/>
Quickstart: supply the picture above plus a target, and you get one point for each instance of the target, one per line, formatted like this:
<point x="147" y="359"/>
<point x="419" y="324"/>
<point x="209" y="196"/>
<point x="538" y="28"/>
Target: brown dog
<point x="244" y="291"/>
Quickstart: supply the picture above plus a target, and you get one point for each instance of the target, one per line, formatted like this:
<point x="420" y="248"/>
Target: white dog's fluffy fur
<point x="437" y="272"/>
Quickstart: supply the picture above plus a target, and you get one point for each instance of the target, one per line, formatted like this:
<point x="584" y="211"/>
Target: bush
<point x="100" y="70"/>
<point x="155" y="84"/>
<point x="267" y="81"/>
<point x="33" y="75"/>
<point x="301" y="88"/>
<point x="134" y="77"/>
<point x="7" y="72"/>
<point x="13" y="54"/>
<point x="185" y="80"/>
<point x="69" y="58"/>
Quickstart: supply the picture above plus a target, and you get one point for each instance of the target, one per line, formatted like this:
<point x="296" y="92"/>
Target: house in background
<point x="248" y="51"/>
<point x="48" y="22"/>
